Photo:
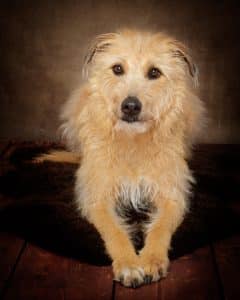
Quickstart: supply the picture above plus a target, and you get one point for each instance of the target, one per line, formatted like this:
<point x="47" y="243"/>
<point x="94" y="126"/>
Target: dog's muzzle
<point x="131" y="108"/>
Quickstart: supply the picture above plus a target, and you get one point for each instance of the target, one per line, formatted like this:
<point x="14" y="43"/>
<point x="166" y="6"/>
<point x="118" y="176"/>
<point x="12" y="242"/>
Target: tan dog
<point x="133" y="123"/>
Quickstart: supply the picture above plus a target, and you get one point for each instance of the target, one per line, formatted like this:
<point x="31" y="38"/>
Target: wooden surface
<point x="191" y="277"/>
<point x="48" y="252"/>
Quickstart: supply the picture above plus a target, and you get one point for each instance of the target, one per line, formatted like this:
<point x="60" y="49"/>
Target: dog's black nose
<point x="131" y="106"/>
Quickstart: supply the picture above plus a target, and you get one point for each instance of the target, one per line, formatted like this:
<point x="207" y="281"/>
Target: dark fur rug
<point x="36" y="202"/>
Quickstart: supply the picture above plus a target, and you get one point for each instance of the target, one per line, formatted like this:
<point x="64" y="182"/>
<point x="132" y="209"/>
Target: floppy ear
<point x="183" y="53"/>
<point x="97" y="46"/>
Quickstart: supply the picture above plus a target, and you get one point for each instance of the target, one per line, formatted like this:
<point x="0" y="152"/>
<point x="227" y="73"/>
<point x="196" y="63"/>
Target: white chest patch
<point x="137" y="194"/>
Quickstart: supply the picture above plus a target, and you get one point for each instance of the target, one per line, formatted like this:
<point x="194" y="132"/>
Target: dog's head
<point x="141" y="77"/>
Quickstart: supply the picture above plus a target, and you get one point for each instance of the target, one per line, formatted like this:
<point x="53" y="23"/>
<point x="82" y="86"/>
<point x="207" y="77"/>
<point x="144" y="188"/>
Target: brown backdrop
<point x="43" y="42"/>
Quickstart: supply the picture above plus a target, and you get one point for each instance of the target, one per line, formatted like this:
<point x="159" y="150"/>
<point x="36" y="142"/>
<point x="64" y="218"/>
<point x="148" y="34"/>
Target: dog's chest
<point x="135" y="207"/>
<point x="136" y="195"/>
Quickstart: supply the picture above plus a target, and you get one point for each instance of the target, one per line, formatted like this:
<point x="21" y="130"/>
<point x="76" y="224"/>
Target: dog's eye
<point x="118" y="70"/>
<point x="154" y="73"/>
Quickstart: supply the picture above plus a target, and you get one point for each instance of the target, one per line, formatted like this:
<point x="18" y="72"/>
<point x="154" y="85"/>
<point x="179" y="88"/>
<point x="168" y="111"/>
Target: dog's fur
<point x="134" y="168"/>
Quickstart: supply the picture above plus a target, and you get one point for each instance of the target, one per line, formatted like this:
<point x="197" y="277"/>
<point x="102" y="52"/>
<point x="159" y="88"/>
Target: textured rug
<point x="36" y="202"/>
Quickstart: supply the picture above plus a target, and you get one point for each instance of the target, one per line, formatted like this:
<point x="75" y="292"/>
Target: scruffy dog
<point x="133" y="123"/>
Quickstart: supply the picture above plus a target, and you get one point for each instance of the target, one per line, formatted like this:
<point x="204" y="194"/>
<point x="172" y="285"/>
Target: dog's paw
<point x="155" y="267"/>
<point x="129" y="275"/>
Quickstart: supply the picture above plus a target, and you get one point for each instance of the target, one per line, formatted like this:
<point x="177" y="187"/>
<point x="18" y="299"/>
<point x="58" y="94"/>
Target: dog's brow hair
<point x="98" y="45"/>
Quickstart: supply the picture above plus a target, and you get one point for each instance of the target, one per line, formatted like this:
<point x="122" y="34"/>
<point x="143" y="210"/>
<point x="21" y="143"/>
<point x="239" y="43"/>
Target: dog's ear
<point x="183" y="53"/>
<point x="97" y="46"/>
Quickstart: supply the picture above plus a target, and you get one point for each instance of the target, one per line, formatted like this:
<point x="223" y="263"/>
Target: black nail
<point x="135" y="283"/>
<point x="121" y="279"/>
<point x="148" y="279"/>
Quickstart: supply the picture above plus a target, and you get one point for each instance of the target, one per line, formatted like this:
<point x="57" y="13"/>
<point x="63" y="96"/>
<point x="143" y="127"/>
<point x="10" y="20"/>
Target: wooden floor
<point x="48" y="252"/>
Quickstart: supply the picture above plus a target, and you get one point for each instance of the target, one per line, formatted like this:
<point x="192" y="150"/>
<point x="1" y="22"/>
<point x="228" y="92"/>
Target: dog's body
<point x="133" y="123"/>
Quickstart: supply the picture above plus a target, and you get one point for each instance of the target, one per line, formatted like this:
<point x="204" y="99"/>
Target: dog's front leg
<point x="126" y="265"/>
<point x="154" y="255"/>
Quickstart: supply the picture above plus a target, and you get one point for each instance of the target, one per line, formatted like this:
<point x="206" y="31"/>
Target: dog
<point x="131" y="127"/>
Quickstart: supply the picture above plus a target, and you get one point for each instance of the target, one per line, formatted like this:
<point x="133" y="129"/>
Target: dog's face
<point x="140" y="77"/>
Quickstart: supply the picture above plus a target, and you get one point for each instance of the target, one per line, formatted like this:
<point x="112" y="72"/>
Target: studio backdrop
<point x="43" y="45"/>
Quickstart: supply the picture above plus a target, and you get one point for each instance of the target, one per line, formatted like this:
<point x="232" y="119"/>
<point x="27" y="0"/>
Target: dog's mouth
<point x="130" y="119"/>
<point x="132" y="124"/>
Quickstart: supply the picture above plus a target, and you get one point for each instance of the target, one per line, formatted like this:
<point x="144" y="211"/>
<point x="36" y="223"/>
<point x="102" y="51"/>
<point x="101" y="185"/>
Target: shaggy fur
<point x="134" y="167"/>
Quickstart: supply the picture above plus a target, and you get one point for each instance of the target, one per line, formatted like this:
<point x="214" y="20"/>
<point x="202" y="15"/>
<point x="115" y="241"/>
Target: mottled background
<point x="43" y="44"/>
